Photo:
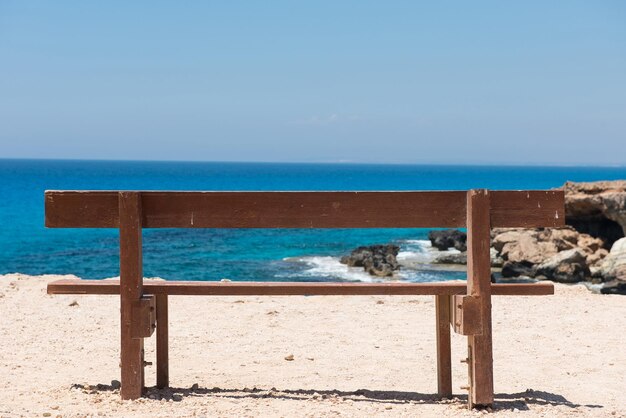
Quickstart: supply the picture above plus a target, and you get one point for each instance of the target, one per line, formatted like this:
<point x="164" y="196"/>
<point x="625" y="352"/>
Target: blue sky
<point x="485" y="82"/>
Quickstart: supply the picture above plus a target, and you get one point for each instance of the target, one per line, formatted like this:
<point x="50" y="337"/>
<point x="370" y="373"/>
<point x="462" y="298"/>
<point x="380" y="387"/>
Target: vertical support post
<point x="162" y="354"/>
<point x="479" y="285"/>
<point x="444" y="357"/>
<point x="131" y="289"/>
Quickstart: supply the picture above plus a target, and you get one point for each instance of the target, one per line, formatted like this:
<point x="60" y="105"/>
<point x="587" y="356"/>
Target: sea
<point x="26" y="246"/>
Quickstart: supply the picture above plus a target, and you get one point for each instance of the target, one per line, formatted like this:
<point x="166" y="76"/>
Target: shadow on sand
<point x="503" y="401"/>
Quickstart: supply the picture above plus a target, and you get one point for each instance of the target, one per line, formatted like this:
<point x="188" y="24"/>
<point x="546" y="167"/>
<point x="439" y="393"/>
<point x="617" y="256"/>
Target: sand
<point x="555" y="356"/>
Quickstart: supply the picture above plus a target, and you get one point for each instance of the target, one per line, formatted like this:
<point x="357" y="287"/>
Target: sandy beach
<point x="555" y="356"/>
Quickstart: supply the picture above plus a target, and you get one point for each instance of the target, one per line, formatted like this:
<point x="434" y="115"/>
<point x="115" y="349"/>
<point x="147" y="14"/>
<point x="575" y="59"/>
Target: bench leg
<point x="444" y="366"/>
<point x="162" y="355"/>
<point x="131" y="278"/>
<point x="479" y="286"/>
<point x="481" y="368"/>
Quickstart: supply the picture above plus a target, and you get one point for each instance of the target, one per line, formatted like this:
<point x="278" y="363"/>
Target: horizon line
<point x="331" y="162"/>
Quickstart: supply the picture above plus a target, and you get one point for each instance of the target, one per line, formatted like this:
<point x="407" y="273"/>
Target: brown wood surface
<point x="479" y="286"/>
<point x="410" y="209"/>
<point x="131" y="276"/>
<point x="198" y="288"/>
<point x="527" y="209"/>
<point x="467" y="315"/>
<point x="162" y="341"/>
<point x="131" y="211"/>
<point x="444" y="354"/>
<point x="144" y="317"/>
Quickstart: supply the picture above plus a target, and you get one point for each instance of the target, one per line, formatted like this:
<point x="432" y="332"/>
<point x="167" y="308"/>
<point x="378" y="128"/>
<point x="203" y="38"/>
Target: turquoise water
<point x="209" y="254"/>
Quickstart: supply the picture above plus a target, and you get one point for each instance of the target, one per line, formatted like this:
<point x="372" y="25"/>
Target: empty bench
<point x="466" y="308"/>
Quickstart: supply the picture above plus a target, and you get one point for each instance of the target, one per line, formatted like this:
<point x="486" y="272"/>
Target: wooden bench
<point x="465" y="307"/>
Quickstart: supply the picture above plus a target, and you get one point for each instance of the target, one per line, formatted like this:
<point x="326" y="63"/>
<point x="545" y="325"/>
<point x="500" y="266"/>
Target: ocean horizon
<point x="238" y="254"/>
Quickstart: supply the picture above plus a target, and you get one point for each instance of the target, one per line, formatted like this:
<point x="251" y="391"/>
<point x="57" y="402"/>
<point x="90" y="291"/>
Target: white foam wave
<point x="419" y="276"/>
<point x="415" y="258"/>
<point x="331" y="268"/>
<point x="420" y="252"/>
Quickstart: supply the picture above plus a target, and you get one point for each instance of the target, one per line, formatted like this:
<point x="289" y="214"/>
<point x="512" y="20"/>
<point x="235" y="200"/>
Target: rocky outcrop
<point x="596" y="217"/>
<point x="449" y="238"/>
<point x="613" y="269"/>
<point x="461" y="258"/>
<point x="517" y="269"/>
<point x="559" y="254"/>
<point x="522" y="245"/>
<point x="569" y="266"/>
<point x="614" y="265"/>
<point x="377" y="260"/>
<point x="451" y="258"/>
<point x="597" y="208"/>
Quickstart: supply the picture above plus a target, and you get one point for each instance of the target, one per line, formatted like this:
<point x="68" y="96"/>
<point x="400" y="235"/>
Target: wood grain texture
<point x="444" y="353"/>
<point x="467" y="315"/>
<point x="410" y="209"/>
<point x="198" y="288"/>
<point x="132" y="211"/>
<point x="144" y="317"/>
<point x="479" y="286"/>
<point x="131" y="277"/>
<point x="162" y="343"/>
<point x="527" y="209"/>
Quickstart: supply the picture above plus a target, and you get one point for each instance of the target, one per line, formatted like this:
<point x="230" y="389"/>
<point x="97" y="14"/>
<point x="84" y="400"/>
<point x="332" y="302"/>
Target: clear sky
<point x="526" y="82"/>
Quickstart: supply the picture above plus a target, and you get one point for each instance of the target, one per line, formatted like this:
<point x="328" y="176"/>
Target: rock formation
<point x="596" y="217"/>
<point x="559" y="254"/>
<point x="377" y="260"/>
<point x="569" y="266"/>
<point x="461" y="258"/>
<point x="595" y="213"/>
<point x="449" y="238"/>
<point x="597" y="208"/>
<point x="613" y="269"/>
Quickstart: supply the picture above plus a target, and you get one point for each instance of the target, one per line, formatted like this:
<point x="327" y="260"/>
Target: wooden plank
<point x="410" y="209"/>
<point x="81" y="209"/>
<point x="444" y="354"/>
<point x="131" y="277"/>
<point x="162" y="343"/>
<point x="527" y="209"/>
<point x="264" y="209"/>
<point x="479" y="286"/>
<point x="198" y="288"/>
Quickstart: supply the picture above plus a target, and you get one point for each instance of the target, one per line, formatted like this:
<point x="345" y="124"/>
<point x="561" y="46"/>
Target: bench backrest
<point x="406" y="209"/>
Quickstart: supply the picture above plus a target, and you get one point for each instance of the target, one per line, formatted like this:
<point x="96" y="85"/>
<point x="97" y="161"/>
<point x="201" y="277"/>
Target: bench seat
<point x="161" y="287"/>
